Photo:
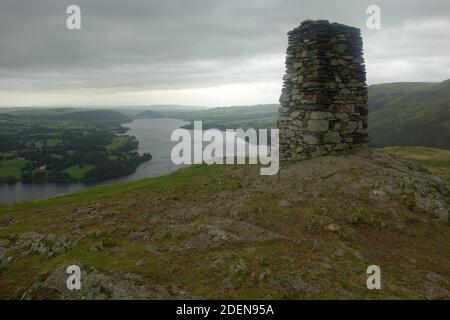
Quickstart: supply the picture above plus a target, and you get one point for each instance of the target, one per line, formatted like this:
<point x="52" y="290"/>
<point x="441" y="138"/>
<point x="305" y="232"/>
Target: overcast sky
<point x="197" y="52"/>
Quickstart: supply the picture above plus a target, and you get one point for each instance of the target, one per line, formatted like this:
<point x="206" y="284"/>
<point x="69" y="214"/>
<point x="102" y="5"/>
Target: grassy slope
<point x="410" y="114"/>
<point x="175" y="208"/>
<point x="384" y="93"/>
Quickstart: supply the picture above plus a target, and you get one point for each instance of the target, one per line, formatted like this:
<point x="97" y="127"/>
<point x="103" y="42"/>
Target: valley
<point x="66" y="146"/>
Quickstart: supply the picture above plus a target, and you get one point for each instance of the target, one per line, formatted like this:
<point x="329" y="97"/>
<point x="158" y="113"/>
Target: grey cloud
<point x="186" y="44"/>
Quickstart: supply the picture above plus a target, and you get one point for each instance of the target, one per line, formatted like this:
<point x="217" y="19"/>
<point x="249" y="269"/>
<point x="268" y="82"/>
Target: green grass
<point x="7" y="154"/>
<point x="116" y="143"/>
<point x="11" y="168"/>
<point x="53" y="142"/>
<point x="410" y="114"/>
<point x="76" y="172"/>
<point x="174" y="180"/>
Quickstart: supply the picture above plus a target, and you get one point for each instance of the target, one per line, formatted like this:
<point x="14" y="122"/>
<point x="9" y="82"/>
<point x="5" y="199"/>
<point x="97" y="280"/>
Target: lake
<point x="153" y="136"/>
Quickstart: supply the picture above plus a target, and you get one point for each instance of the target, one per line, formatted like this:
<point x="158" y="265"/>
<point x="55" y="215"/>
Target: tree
<point x="11" y="180"/>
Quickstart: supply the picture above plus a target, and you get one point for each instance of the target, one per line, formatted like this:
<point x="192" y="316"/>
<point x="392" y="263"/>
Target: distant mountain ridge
<point x="71" y="114"/>
<point x="148" y="114"/>
<point x="257" y="116"/>
<point x="91" y="115"/>
<point x="400" y="114"/>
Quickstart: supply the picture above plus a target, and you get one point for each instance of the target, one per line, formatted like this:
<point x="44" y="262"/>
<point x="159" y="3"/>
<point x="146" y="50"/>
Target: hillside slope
<point x="91" y="115"/>
<point x="227" y="232"/>
<point x="410" y="114"/>
<point x="148" y="114"/>
<point x="71" y="114"/>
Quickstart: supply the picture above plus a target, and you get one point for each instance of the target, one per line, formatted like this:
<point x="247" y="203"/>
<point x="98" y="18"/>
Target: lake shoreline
<point x="153" y="136"/>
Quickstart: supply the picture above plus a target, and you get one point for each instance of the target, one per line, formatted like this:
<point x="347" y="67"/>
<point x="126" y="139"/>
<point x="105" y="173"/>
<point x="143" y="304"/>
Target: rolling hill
<point x="90" y="115"/>
<point x="257" y="116"/>
<point x="148" y="114"/>
<point x="69" y="114"/>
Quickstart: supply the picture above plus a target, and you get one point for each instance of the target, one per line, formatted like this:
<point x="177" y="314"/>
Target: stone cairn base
<point x="324" y="97"/>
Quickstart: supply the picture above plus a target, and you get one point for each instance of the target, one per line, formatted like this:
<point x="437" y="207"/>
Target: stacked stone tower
<point x="324" y="97"/>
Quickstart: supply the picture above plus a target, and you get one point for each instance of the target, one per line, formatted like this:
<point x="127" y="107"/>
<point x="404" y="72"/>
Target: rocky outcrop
<point x="100" y="286"/>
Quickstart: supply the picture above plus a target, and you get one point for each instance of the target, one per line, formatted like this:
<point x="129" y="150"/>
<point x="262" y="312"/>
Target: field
<point x="77" y="173"/>
<point x="11" y="168"/>
<point x="116" y="143"/>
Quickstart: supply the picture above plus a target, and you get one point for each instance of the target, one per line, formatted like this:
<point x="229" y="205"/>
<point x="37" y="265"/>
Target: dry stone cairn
<point x="324" y="97"/>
